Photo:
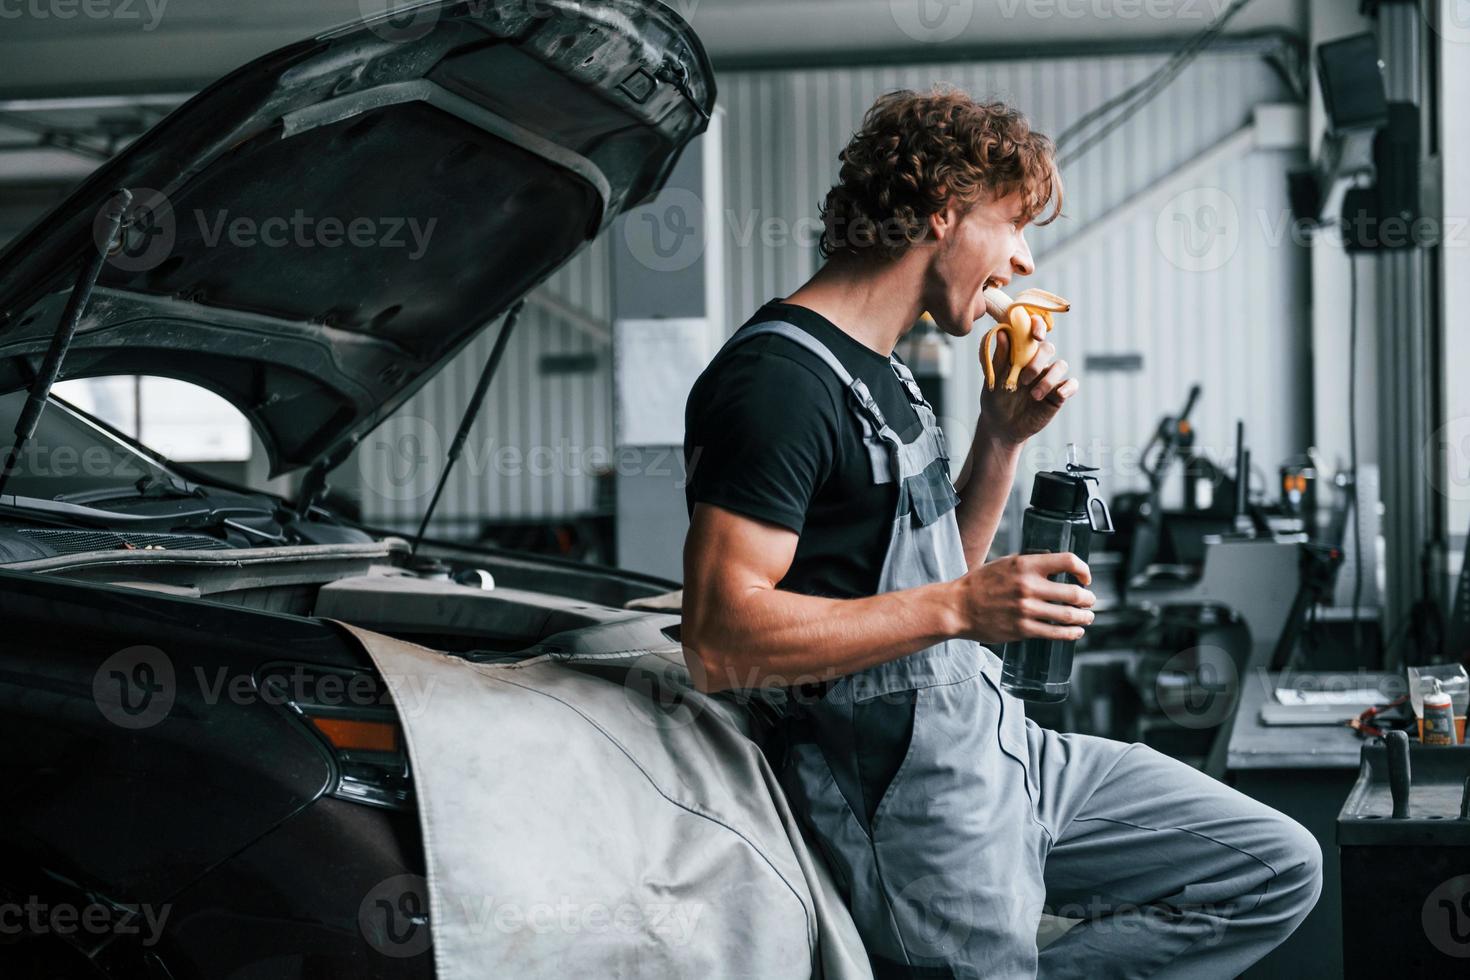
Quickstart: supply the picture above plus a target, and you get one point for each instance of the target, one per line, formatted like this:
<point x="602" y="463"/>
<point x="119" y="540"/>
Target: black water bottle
<point x="1065" y="513"/>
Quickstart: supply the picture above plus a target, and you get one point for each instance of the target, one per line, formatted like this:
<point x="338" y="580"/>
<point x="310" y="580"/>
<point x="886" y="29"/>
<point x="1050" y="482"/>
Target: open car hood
<point x="315" y="234"/>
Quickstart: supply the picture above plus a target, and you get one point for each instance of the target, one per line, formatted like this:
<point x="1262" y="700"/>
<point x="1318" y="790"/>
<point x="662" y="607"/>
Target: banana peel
<point x="1014" y="317"/>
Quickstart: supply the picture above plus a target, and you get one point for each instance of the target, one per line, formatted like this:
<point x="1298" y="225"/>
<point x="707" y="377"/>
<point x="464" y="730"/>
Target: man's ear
<point x="943" y="222"/>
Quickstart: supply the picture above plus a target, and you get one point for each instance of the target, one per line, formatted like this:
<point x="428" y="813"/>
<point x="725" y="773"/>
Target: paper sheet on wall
<point x="655" y="364"/>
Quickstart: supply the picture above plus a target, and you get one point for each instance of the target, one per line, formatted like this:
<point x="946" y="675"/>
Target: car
<point x="205" y="771"/>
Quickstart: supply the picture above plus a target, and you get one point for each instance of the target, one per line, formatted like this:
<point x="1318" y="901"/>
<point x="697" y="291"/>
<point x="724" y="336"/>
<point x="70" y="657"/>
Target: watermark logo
<point x="1450" y="19"/>
<point x="394" y="916"/>
<point x="1205" y="922"/>
<point x="1446" y="917"/>
<point x="135" y="688"/>
<point x="1198" y="687"/>
<point x="399" y="21"/>
<point x="150" y="226"/>
<point x="658" y="694"/>
<point x="932" y="21"/>
<point x="401" y="459"/>
<point x="669" y="923"/>
<point x="1447" y="462"/>
<point x="1198" y="230"/>
<point x="147" y="234"/>
<point x="667" y="234"/>
<point x="940" y="911"/>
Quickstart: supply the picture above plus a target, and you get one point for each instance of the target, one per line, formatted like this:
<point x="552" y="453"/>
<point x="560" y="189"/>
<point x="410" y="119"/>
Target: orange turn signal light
<point x="361" y="736"/>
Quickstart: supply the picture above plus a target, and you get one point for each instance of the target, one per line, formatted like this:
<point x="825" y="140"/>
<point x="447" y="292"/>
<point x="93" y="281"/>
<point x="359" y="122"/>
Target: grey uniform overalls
<point x="980" y="818"/>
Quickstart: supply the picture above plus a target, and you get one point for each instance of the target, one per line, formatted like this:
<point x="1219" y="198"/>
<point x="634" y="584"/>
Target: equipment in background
<point x="1367" y="172"/>
<point x="1320" y="563"/>
<point x="1299" y="492"/>
<point x="1065" y="513"/>
<point x="1167" y="546"/>
<point x="1159" y="541"/>
<point x="1403" y="837"/>
<point x="1248" y="568"/>
<point x="1352" y="82"/>
<point x="1201" y="480"/>
<point x="1319" y="567"/>
<point x="1256" y="577"/>
<point x="1170" y="543"/>
<point x="1173" y="436"/>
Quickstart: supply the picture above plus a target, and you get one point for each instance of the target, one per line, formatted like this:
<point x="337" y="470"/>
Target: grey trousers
<point x="984" y="820"/>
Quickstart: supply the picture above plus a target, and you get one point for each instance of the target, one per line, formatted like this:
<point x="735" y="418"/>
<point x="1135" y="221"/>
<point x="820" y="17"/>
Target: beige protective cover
<point x="594" y="816"/>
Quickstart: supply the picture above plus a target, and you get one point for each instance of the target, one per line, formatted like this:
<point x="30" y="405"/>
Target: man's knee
<point x="1295" y="857"/>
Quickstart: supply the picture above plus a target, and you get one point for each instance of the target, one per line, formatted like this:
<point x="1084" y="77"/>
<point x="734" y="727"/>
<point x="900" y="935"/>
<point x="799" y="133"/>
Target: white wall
<point x="1454" y="439"/>
<point x="539" y="441"/>
<point x="1234" y="319"/>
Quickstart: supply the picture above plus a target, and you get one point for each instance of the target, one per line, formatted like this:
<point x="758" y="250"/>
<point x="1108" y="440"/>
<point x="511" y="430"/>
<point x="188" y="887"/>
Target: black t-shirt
<point x="769" y="433"/>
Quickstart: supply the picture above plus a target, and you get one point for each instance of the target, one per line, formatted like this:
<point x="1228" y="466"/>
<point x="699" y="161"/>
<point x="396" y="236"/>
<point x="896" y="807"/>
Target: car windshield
<point x="70" y="456"/>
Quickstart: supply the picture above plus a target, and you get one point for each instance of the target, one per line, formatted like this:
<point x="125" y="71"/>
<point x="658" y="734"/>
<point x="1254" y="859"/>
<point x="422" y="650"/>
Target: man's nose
<point x="1021" y="260"/>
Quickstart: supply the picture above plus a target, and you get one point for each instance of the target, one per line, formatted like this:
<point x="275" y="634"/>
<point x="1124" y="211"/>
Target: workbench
<point x="1305" y="772"/>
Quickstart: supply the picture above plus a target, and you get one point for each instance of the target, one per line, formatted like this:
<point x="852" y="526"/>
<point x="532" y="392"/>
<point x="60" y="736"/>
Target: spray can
<point x="1065" y="513"/>
<point x="1439" y="717"/>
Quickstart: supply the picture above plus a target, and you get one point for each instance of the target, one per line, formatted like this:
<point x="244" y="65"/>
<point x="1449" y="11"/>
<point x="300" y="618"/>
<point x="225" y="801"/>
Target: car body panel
<point x="318" y="232"/>
<point x="139" y="752"/>
<point x="148" y="768"/>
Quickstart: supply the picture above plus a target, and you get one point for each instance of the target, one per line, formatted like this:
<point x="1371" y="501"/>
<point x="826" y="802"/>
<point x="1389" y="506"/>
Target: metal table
<point x="1305" y="772"/>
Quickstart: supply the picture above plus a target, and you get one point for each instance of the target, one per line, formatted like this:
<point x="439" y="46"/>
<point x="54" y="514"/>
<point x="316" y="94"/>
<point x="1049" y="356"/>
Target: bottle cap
<point x="1060" y="492"/>
<point x="1072" y="493"/>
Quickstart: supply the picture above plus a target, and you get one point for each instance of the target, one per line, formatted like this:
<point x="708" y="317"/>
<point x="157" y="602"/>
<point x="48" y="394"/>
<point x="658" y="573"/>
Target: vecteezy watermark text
<point x="148" y="13"/>
<point x="301" y="230"/>
<point x="35" y="917"/>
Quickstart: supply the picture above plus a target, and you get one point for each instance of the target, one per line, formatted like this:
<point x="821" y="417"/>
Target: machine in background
<point x="1196" y="597"/>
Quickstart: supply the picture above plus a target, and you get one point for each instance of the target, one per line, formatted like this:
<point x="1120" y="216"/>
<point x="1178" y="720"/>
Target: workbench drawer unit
<point x="1406" y="878"/>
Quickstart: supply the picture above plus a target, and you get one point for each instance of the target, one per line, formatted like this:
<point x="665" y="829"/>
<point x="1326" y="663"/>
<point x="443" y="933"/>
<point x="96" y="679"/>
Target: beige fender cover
<point x="597" y="817"/>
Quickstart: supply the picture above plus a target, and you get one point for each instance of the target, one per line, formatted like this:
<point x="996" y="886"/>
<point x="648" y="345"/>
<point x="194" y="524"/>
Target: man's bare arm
<point x="740" y="631"/>
<point x="983" y="485"/>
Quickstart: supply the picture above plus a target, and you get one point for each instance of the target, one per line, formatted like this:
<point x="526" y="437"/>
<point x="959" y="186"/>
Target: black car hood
<point x="315" y="234"/>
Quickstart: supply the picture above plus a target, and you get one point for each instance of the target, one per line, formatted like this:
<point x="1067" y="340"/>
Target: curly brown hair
<point x="917" y="151"/>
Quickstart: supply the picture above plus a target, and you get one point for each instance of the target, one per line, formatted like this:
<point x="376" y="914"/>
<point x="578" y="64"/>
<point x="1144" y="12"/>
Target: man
<point x="830" y="555"/>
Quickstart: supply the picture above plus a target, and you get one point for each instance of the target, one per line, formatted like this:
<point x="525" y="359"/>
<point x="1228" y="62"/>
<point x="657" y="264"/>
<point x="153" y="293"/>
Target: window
<point x="182" y="421"/>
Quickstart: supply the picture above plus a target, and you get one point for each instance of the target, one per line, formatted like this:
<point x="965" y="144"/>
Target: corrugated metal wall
<point x="1239" y="329"/>
<point x="540" y="437"/>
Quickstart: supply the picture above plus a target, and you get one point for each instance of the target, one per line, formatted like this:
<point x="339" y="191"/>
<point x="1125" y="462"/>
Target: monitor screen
<point x="1352" y="82"/>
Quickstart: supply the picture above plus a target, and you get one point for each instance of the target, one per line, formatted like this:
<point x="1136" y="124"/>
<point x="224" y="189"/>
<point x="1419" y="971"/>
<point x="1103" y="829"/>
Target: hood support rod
<point x="76" y="305"/>
<point x="471" y="412"/>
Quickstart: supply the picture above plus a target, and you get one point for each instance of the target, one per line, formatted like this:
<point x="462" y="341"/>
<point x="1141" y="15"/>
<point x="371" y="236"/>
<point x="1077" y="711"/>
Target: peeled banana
<point x="1014" y="317"/>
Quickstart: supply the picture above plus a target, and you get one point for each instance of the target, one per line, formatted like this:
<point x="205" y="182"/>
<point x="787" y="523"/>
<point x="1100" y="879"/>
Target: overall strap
<point x="855" y="386"/>
<point x="921" y="404"/>
<point x="890" y="457"/>
<point x="906" y="378"/>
